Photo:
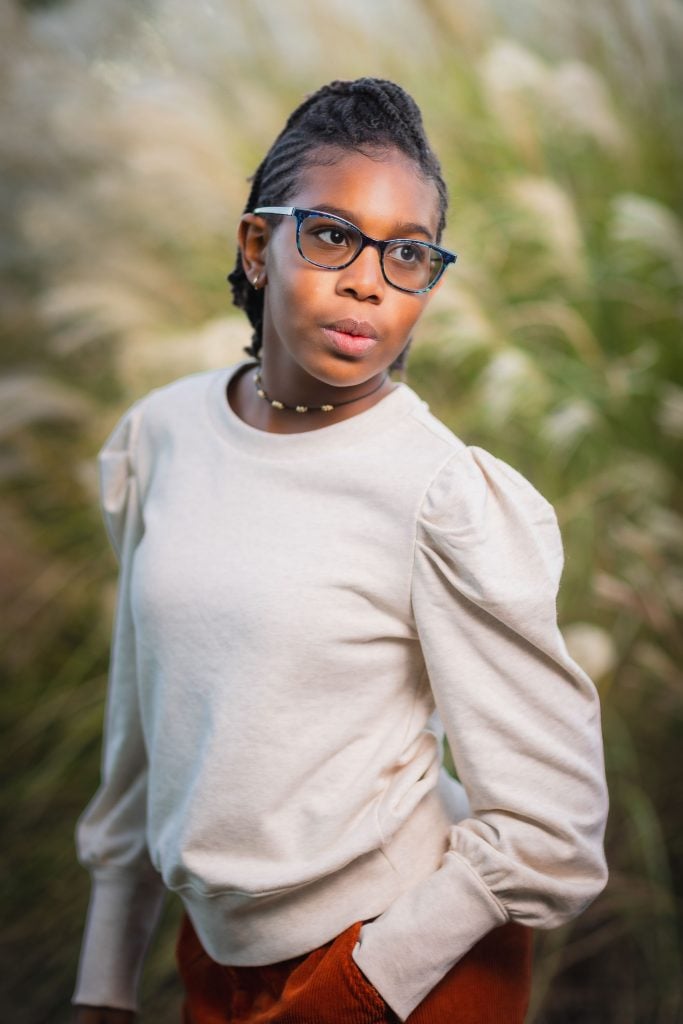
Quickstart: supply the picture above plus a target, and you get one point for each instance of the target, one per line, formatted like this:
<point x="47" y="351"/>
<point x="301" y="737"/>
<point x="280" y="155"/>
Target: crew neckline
<point x="363" y="426"/>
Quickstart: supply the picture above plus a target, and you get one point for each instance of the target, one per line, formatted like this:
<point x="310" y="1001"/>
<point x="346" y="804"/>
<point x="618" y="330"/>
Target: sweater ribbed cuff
<point x="123" y="913"/>
<point x="409" y="948"/>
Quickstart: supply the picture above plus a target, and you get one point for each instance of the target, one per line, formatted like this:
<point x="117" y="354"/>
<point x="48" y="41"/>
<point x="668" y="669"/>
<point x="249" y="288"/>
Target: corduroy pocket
<point x="364" y="990"/>
<point x="325" y="986"/>
<point x="328" y="987"/>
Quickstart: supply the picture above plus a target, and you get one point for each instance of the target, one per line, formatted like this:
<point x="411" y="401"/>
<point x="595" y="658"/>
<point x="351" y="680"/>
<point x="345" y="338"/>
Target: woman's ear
<point x="252" y="238"/>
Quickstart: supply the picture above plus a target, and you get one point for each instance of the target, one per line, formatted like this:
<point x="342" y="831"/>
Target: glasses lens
<point x="412" y="265"/>
<point x="328" y="242"/>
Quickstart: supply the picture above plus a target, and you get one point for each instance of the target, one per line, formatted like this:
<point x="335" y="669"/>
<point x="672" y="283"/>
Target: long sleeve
<point x="127" y="893"/>
<point x="523" y="724"/>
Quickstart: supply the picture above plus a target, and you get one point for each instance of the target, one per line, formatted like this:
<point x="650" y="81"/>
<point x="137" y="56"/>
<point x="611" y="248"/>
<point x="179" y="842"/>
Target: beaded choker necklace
<point x="276" y="404"/>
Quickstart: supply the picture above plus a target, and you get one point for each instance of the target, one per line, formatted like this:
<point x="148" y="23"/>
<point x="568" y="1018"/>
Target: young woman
<point x="317" y="579"/>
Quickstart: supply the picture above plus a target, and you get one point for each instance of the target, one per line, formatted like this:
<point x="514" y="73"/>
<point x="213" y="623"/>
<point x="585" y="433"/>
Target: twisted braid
<point x="365" y="115"/>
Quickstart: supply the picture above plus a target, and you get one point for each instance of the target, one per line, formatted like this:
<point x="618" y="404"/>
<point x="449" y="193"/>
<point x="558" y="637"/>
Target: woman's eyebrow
<point x="407" y="228"/>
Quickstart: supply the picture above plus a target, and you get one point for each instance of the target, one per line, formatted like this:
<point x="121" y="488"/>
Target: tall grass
<point x="127" y="139"/>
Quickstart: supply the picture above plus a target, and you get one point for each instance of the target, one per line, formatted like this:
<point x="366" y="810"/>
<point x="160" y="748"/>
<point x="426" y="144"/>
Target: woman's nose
<point x="363" y="278"/>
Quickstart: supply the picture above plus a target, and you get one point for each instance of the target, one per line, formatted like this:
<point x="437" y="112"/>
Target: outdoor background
<point x="127" y="133"/>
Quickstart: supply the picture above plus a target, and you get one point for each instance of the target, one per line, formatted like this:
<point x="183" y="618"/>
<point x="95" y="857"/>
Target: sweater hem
<point x="248" y="931"/>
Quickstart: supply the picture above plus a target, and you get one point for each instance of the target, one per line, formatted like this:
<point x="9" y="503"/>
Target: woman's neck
<point x="259" y="413"/>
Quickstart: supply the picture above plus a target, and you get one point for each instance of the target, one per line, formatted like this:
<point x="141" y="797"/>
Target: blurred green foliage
<point x="128" y="135"/>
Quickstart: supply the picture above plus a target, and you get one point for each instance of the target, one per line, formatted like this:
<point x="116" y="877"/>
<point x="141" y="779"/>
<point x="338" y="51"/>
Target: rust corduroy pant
<point x="490" y="985"/>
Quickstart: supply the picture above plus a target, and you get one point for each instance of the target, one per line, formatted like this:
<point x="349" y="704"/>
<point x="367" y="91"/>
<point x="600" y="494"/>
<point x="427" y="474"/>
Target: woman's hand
<point x="102" y="1015"/>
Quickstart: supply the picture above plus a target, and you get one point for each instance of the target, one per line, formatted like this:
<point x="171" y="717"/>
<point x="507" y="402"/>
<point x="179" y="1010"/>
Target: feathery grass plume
<point x="579" y="99"/>
<point x="670" y="411"/>
<point x="513" y="78"/>
<point x="27" y="398"/>
<point x="80" y="312"/>
<point x="642" y="226"/>
<point x="152" y="360"/>
<point x="569" y="424"/>
<point x="511" y="386"/>
<point x="550" y="217"/>
<point x="460" y="324"/>
<point x="592" y="647"/>
<point x="534" y="102"/>
<point x="548" y="320"/>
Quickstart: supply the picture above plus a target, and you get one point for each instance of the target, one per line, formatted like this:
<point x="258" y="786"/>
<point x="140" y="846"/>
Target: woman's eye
<point x="333" y="236"/>
<point x="407" y="253"/>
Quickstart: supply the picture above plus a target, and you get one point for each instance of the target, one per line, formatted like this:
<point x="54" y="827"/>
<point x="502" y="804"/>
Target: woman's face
<point x="386" y="197"/>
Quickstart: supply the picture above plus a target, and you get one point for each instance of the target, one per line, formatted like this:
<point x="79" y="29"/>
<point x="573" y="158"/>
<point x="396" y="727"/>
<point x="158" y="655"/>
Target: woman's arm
<point x="523" y="724"/>
<point x="127" y="892"/>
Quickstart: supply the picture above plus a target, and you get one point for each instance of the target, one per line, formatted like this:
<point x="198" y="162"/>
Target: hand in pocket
<point x="329" y="987"/>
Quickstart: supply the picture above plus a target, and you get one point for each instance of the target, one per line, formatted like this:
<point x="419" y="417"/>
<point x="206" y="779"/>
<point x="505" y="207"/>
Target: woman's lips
<point x="352" y="337"/>
<point x="351" y="344"/>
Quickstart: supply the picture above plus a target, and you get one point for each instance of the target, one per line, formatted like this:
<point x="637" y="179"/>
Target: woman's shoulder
<point x="428" y="432"/>
<point x="492" y="532"/>
<point x="161" y="408"/>
<point x="483" y="518"/>
<point x="149" y="423"/>
<point x="473" y="485"/>
<point x="465" y="476"/>
<point x="178" y="393"/>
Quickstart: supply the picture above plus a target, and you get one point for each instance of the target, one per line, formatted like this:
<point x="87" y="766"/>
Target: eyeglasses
<point x="332" y="243"/>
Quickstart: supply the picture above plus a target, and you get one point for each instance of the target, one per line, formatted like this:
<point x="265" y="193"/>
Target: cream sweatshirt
<point x="300" y="617"/>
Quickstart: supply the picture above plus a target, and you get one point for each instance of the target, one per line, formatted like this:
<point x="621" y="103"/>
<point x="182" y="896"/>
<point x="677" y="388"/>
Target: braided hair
<point x="366" y="115"/>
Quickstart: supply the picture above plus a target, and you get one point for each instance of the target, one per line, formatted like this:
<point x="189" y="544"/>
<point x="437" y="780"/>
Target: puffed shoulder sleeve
<point x="126" y="891"/>
<point x="522" y="720"/>
<point x="119" y="497"/>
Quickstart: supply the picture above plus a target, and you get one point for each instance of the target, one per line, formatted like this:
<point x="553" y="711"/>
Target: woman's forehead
<point x="381" y="192"/>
